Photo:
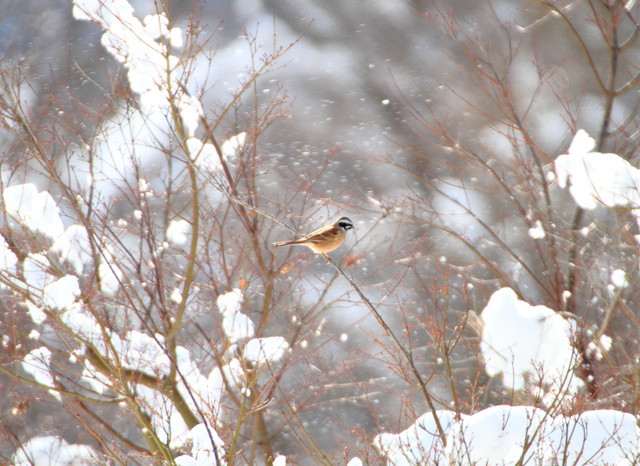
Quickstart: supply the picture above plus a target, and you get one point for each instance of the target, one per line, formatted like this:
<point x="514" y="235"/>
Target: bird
<point x="325" y="239"/>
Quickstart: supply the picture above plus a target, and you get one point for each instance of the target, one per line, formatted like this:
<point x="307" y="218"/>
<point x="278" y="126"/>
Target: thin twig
<point x="416" y="373"/>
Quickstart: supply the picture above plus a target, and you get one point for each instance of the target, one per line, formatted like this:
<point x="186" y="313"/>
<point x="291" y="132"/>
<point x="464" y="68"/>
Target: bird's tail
<point x="284" y="243"/>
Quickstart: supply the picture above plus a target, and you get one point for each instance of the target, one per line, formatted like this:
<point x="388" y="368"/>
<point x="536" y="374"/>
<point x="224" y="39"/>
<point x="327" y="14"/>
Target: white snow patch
<point x="38" y="364"/>
<point x="235" y="324"/>
<point x="418" y="443"/>
<point x="203" y="450"/>
<point x="110" y="274"/>
<point x="8" y="259"/>
<point x="74" y="246"/>
<point x="537" y="231"/>
<point x="37" y="211"/>
<point x="178" y="231"/>
<point x="597" y="179"/>
<point x="232" y="146"/>
<point x="519" y="340"/>
<point x="62" y="293"/>
<point x="53" y="450"/>
<point x="265" y="350"/>
<point x="619" y="278"/>
<point x="497" y="435"/>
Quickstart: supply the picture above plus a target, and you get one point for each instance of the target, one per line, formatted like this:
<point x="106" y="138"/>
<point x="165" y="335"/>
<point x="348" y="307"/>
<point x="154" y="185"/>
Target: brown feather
<point x="324" y="239"/>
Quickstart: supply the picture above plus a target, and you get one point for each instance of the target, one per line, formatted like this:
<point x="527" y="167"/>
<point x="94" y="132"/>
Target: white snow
<point x="144" y="188"/>
<point x="526" y="344"/>
<point x="176" y="37"/>
<point x="537" y="231"/>
<point x="495" y="435"/>
<point x="165" y="419"/>
<point x="520" y="341"/>
<point x="202" y="444"/>
<point x="53" y="450"/>
<point x="498" y="435"/>
<point x="37" y="211"/>
<point x="176" y="296"/>
<point x="417" y="442"/>
<point x="265" y="350"/>
<point x="36" y="313"/>
<point x="597" y="179"/>
<point x="35" y="273"/>
<point x="74" y="247"/>
<point x="130" y="138"/>
<point x="98" y="382"/>
<point x="619" y="278"/>
<point x="156" y="26"/>
<point x="234" y="372"/>
<point x="8" y="259"/>
<point x="109" y="273"/>
<point x="141" y="352"/>
<point x="280" y="460"/>
<point x="205" y="155"/>
<point x="600" y="437"/>
<point x="38" y="364"/>
<point x="85" y="326"/>
<point x="230" y="301"/>
<point x="597" y="348"/>
<point x="203" y="450"/>
<point x="62" y="293"/>
<point x="178" y="231"/>
<point x="235" y="325"/>
<point x="190" y="112"/>
<point x="232" y="146"/>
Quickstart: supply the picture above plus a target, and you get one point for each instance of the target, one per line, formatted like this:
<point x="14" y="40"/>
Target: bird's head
<point x="345" y="223"/>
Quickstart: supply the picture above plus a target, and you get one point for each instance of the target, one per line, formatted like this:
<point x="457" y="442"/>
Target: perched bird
<point x="325" y="239"/>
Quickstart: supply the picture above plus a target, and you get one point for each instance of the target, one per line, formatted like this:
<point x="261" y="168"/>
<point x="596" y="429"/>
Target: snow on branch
<point x="36" y="211"/>
<point x="235" y="324"/>
<point x="52" y="449"/>
<point x="596" y="179"/>
<point x="144" y="48"/>
<point x="523" y="342"/>
<point x="38" y="364"/>
<point x="516" y="435"/>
